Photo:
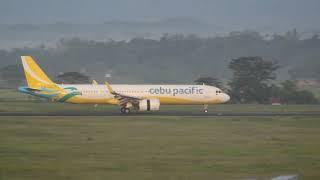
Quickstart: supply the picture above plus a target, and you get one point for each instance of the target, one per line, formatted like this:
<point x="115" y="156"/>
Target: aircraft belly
<point x="186" y="100"/>
<point x="177" y="100"/>
<point x="87" y="100"/>
<point x="170" y="100"/>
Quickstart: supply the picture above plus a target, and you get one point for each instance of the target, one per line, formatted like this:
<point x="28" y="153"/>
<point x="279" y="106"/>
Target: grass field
<point x="151" y="147"/>
<point x="158" y="147"/>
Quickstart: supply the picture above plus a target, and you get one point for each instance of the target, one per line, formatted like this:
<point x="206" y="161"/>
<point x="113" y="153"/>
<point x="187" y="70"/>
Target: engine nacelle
<point x="149" y="105"/>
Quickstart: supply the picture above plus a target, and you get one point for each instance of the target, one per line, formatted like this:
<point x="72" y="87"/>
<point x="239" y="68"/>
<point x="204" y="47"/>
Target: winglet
<point x="94" y="82"/>
<point x="109" y="88"/>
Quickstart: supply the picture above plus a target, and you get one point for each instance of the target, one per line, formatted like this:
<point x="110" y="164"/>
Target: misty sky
<point x="227" y="13"/>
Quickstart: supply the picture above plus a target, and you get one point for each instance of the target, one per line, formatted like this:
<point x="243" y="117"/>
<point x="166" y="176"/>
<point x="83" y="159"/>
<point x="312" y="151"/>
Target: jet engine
<point x="149" y="105"/>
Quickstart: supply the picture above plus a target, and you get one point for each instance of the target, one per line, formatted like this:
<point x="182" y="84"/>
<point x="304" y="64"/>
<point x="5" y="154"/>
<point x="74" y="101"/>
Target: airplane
<point x="129" y="97"/>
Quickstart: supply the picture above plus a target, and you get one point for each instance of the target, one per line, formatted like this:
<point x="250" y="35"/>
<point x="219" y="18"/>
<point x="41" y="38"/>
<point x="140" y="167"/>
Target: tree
<point x="251" y="79"/>
<point x="209" y="81"/>
<point x="290" y="93"/>
<point x="73" y="78"/>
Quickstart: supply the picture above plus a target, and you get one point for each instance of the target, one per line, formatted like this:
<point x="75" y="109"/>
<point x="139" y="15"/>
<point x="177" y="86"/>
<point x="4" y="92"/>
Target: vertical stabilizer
<point x="36" y="78"/>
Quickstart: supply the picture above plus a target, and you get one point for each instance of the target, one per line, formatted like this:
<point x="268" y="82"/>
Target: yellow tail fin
<point x="36" y="78"/>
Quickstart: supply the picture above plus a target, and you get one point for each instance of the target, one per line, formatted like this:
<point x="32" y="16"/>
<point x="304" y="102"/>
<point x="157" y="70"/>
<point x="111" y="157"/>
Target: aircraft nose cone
<point x="226" y="97"/>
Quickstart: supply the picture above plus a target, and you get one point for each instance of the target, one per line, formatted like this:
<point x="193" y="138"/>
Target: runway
<point x="166" y="113"/>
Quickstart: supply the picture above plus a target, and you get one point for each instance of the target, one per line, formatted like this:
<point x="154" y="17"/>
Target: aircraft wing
<point x="123" y="99"/>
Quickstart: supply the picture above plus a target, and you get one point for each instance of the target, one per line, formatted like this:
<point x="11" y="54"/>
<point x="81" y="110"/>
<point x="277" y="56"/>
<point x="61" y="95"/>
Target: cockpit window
<point x="218" y="91"/>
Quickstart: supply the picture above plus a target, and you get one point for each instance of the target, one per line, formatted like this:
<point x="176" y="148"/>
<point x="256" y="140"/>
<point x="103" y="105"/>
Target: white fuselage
<point x="167" y="94"/>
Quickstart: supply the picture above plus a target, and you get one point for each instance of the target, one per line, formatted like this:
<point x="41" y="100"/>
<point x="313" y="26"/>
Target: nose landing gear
<point x="205" y="108"/>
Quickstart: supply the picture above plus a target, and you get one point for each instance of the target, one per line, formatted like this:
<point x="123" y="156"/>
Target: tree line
<point x="184" y="57"/>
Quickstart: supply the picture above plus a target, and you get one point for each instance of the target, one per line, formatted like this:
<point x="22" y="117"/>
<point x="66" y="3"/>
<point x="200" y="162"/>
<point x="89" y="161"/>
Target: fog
<point x="248" y="14"/>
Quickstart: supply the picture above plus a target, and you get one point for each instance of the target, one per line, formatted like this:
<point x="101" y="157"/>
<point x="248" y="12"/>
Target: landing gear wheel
<point x="205" y="111"/>
<point x="125" y="110"/>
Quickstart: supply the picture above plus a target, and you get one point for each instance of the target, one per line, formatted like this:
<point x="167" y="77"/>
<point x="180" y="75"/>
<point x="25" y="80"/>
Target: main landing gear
<point x="124" y="110"/>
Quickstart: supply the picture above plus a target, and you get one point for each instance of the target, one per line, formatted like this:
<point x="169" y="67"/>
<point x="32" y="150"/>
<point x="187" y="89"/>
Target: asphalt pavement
<point x="161" y="113"/>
